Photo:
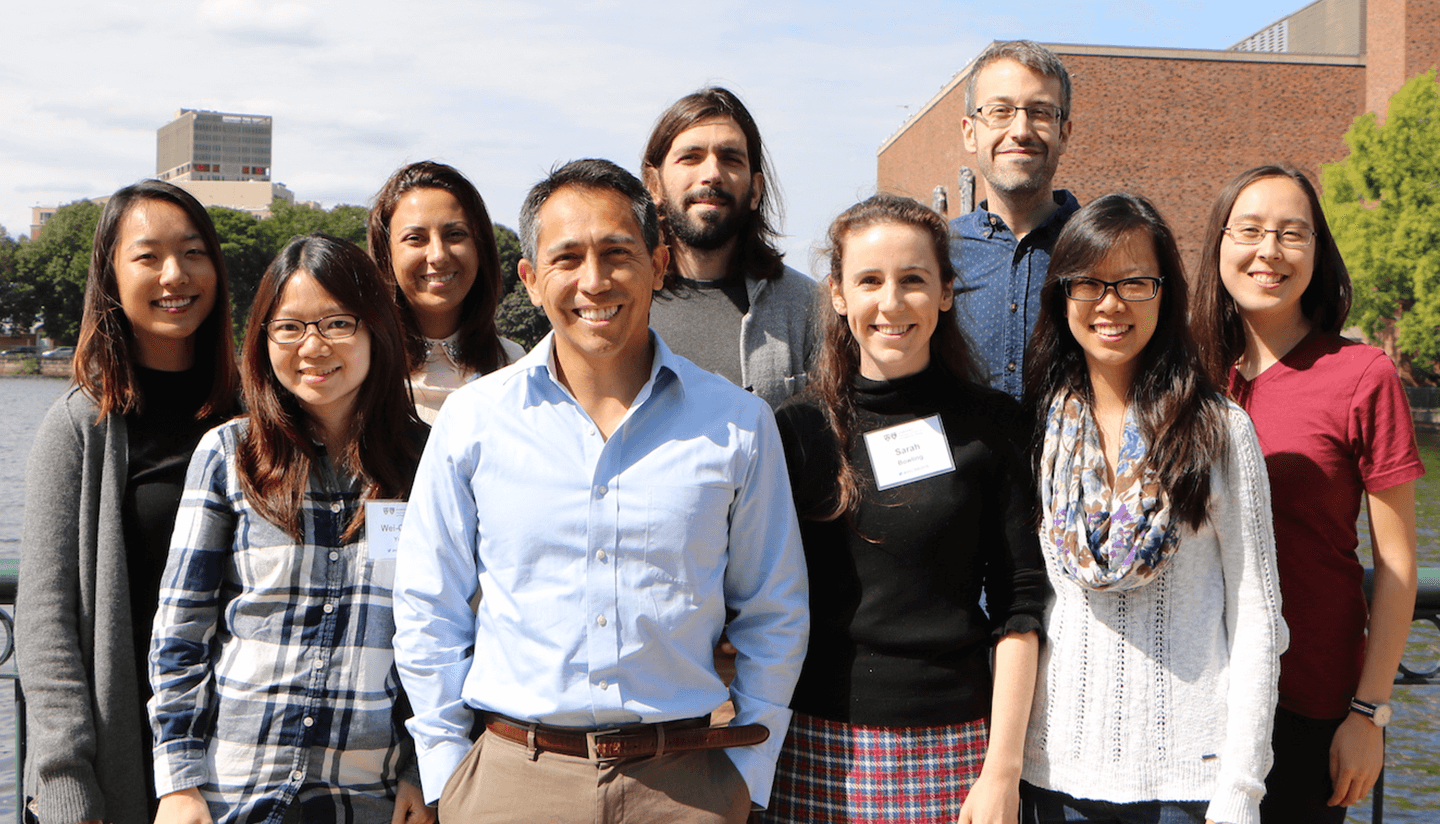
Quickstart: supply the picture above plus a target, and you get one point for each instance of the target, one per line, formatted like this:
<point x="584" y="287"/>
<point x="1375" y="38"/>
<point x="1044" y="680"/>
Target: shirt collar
<point x="539" y="363"/>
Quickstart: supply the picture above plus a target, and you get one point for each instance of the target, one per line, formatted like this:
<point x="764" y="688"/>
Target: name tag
<point x="909" y="452"/>
<point x="382" y="528"/>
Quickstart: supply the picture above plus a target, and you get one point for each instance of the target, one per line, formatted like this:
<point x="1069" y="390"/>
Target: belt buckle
<point x="591" y="744"/>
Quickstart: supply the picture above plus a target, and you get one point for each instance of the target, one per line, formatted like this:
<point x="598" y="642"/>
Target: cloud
<point x="262" y="23"/>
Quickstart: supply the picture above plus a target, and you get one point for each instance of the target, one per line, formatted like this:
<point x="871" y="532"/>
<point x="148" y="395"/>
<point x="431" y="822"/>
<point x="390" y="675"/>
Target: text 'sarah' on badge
<point x="909" y="452"/>
<point x="382" y="528"/>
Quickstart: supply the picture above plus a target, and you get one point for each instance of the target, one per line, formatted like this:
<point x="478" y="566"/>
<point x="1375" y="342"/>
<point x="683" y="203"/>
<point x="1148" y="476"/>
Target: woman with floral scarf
<point x="1157" y="687"/>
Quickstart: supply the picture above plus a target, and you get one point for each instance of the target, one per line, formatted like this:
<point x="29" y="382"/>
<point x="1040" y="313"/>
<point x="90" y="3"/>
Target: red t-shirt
<point x="1333" y="422"/>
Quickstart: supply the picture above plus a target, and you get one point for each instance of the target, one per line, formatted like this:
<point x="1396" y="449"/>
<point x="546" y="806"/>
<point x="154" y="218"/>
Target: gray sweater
<point x="777" y="336"/>
<point x="73" y="641"/>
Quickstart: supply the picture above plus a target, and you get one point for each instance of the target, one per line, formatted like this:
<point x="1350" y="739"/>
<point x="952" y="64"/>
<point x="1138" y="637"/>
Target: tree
<point x="51" y="269"/>
<point x="1383" y="204"/>
<point x="246" y="250"/>
<point x="288" y="220"/>
<point x="520" y="320"/>
<point x="508" y="244"/>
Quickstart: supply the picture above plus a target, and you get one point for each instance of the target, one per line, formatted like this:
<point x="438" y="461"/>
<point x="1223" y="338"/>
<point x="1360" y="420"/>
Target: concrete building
<point x="1176" y="124"/>
<point x="222" y="159"/>
<point x="204" y="145"/>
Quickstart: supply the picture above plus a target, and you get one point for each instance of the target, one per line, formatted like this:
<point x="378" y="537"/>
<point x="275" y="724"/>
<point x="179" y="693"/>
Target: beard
<point x="712" y="229"/>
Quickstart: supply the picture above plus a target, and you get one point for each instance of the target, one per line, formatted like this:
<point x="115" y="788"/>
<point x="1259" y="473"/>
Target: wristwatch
<point x="1379" y="714"/>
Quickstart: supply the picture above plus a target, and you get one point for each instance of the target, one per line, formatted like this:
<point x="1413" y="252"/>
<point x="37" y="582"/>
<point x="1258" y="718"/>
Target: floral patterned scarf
<point x="1113" y="542"/>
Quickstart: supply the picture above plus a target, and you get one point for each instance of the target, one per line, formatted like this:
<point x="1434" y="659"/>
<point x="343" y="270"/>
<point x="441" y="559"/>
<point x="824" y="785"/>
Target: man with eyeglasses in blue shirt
<point x="607" y="502"/>
<point x="1017" y="123"/>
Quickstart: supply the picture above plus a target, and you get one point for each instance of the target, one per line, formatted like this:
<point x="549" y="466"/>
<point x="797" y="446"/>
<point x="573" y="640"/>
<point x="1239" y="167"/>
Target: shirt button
<point x="600" y="555"/>
<point x="336" y="506"/>
<point x="296" y="775"/>
<point x="334" y="556"/>
<point x="1014" y="307"/>
<point x="329" y="608"/>
<point x="1010" y="367"/>
<point x="308" y="721"/>
<point x="317" y="663"/>
<point x="604" y="685"/>
<point x="600" y="491"/>
<point x="600" y="619"/>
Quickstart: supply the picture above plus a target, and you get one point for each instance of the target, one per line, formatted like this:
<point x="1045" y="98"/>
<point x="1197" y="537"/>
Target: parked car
<point x="63" y="353"/>
<point x="21" y="351"/>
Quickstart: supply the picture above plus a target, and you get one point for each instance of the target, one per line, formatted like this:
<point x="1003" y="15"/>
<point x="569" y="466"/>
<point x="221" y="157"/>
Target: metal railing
<point x="1427" y="608"/>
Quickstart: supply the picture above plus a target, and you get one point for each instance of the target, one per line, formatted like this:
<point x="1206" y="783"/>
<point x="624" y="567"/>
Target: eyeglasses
<point x="999" y="115"/>
<point x="330" y="327"/>
<point x="1294" y="237"/>
<point x="1093" y="289"/>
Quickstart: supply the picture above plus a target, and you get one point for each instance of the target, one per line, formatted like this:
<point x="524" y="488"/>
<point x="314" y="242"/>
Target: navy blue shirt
<point x="998" y="293"/>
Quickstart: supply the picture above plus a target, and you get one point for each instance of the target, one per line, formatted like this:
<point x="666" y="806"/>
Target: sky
<point x="506" y="89"/>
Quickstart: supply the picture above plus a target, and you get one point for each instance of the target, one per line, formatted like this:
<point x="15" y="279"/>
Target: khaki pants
<point x="498" y="783"/>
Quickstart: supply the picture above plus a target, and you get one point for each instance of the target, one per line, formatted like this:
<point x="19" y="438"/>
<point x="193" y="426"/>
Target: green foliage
<point x="50" y="271"/>
<point x="519" y="320"/>
<point x="508" y="244"/>
<point x="1383" y="204"/>
<point x="288" y="220"/>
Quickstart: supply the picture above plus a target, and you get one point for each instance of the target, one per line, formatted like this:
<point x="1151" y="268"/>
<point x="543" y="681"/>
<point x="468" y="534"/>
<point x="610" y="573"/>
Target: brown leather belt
<point x="630" y="741"/>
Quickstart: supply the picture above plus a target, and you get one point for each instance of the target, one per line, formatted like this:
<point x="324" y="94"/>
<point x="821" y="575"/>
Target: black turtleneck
<point x="898" y="636"/>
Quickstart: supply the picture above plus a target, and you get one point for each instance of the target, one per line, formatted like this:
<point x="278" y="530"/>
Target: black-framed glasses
<point x="1093" y="289"/>
<point x="1291" y="237"/>
<point x="999" y="115"/>
<point x="330" y="327"/>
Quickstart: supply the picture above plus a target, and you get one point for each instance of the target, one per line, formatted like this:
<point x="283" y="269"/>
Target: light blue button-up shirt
<point x="604" y="566"/>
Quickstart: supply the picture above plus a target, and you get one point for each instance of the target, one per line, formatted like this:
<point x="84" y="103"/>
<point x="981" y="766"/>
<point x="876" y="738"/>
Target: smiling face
<point x="166" y="281"/>
<point x="594" y="278"/>
<point x="891" y="295"/>
<point x="1266" y="280"/>
<point x="1019" y="158"/>
<point x="707" y="188"/>
<point x="324" y="375"/>
<point x="1113" y="332"/>
<point x="433" y="253"/>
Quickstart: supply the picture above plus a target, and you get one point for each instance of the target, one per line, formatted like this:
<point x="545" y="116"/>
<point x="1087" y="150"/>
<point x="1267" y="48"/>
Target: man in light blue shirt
<point x="607" y="501"/>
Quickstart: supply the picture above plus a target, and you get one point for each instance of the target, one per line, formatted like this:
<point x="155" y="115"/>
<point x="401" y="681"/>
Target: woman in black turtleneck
<point x="913" y="501"/>
<point x="154" y="369"/>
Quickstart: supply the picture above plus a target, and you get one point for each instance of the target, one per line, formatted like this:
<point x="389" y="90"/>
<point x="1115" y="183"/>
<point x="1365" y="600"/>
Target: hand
<point x="183" y="807"/>
<point x="992" y="800"/>
<point x="410" y="807"/>
<point x="1357" y="752"/>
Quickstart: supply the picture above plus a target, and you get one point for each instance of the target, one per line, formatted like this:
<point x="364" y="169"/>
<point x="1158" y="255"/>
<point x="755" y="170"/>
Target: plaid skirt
<point x="830" y="772"/>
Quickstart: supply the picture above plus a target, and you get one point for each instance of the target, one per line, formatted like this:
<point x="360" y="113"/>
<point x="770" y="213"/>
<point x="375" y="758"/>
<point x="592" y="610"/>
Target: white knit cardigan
<point x="1168" y="692"/>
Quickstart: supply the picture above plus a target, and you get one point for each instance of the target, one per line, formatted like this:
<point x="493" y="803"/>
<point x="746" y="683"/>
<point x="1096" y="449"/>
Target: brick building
<point x="1176" y="124"/>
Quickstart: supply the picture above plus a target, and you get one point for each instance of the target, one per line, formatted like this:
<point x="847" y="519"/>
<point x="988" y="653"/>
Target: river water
<point x="1412" y="775"/>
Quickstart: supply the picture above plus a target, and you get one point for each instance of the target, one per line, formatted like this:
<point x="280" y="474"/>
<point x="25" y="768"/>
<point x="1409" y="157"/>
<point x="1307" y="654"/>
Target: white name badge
<point x="382" y="528"/>
<point x="909" y="452"/>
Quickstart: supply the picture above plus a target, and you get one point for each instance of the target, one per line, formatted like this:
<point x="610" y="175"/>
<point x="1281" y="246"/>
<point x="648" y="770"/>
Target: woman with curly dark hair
<point x="913" y="501"/>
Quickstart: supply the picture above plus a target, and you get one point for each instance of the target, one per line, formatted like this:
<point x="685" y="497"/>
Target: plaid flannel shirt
<point x="271" y="660"/>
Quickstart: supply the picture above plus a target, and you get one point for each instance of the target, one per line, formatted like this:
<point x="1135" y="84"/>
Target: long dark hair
<point x="104" y="363"/>
<point x="479" y="341"/>
<point x="1181" y="416"/>
<point x="756" y="253"/>
<point x="1326" y="301"/>
<point x="383" y="443"/>
<point x="839" y="358"/>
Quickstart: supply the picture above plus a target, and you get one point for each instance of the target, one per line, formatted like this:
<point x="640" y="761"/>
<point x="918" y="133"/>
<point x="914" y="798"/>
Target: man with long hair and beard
<point x="729" y="302"/>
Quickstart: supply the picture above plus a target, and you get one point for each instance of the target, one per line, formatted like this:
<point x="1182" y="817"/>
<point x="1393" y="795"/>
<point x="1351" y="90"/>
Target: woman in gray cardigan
<point x="154" y="369"/>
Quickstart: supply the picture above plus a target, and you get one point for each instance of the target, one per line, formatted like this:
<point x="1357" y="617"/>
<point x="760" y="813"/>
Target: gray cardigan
<point x="777" y="335"/>
<point x="73" y="641"/>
